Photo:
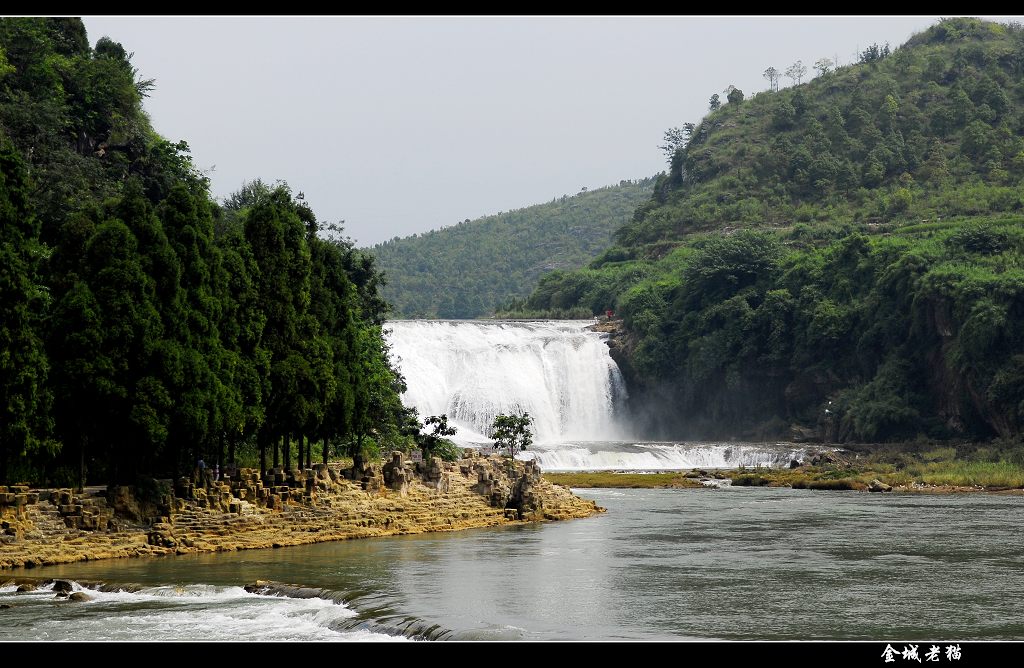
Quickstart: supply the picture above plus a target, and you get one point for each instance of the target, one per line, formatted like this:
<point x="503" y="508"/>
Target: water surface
<point x="740" y="563"/>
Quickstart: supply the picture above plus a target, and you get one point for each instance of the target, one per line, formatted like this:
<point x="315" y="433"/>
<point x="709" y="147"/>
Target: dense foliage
<point x="143" y="325"/>
<point x="512" y="433"/>
<point x="470" y="269"/>
<point x="844" y="255"/>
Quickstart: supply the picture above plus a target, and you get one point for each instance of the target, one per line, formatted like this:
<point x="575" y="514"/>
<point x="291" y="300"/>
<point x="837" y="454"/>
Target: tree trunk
<point x="81" y="463"/>
<point x="325" y="450"/>
<point x="231" y="451"/>
<point x="3" y="461"/>
<point x="287" y="453"/>
<point x="309" y="454"/>
<point x="302" y="450"/>
<point x="277" y="443"/>
<point x="357" y="458"/>
<point x="220" y="453"/>
<point x="263" y="457"/>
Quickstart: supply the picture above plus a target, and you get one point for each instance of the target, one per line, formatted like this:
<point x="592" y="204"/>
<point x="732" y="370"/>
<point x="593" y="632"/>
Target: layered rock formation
<point x="245" y="510"/>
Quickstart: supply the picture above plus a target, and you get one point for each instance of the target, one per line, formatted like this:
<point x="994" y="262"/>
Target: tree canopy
<point x="144" y="325"/>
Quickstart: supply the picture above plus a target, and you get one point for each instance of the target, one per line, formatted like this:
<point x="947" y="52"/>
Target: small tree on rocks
<point x="512" y="432"/>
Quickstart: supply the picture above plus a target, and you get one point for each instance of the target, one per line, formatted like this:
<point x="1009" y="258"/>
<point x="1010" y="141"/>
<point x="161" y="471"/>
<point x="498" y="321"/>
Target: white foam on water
<point x="188" y="612"/>
<point x="662" y="456"/>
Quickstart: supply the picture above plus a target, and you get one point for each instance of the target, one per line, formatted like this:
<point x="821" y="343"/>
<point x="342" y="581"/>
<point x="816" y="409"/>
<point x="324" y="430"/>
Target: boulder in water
<point x="879" y="486"/>
<point x="79" y="597"/>
<point x="62" y="585"/>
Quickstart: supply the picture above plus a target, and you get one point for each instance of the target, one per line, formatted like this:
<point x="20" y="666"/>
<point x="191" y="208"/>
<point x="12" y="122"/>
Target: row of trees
<point x="797" y="71"/>
<point x="144" y="325"/>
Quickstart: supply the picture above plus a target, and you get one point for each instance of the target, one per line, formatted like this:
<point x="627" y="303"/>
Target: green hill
<point x="470" y="269"/>
<point x="843" y="259"/>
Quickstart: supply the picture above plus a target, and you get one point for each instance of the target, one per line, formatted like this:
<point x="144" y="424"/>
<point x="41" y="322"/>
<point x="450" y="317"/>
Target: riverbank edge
<point x="326" y="503"/>
<point x="818" y="481"/>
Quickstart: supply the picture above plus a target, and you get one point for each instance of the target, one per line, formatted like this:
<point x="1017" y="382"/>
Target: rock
<point x="79" y="597"/>
<point x="62" y="585"/>
<point x="794" y="464"/>
<point x="28" y="586"/>
<point x="61" y="594"/>
<point x="5" y="606"/>
<point x="879" y="486"/>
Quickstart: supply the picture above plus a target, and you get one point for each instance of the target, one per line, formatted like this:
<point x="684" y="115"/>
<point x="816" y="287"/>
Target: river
<point x="739" y="563"/>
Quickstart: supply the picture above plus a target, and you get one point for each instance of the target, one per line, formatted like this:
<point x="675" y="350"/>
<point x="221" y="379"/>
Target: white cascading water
<point x="649" y="456"/>
<point x="557" y="371"/>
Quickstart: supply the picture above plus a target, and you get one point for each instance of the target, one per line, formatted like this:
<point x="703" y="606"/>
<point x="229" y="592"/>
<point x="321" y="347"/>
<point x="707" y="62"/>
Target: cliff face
<point x="42" y="527"/>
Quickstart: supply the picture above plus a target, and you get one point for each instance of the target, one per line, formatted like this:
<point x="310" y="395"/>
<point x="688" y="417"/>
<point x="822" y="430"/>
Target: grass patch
<point x="751" y="480"/>
<point x="970" y="473"/>
<point x="621" y="480"/>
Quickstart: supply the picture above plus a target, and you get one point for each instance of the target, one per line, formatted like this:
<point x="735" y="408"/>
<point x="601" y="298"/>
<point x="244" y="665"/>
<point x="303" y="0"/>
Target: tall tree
<point x="24" y="395"/>
<point x="796" y="72"/>
<point x="823" y="66"/>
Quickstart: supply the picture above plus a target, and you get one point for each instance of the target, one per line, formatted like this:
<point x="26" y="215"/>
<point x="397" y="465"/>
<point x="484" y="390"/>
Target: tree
<point x="24" y="395"/>
<point x="734" y="95"/>
<point x="675" y="139"/>
<point x="796" y="71"/>
<point x="430" y="442"/>
<point x="714" y="103"/>
<point x="823" y="66"/>
<point x="773" y="76"/>
<point x="512" y="432"/>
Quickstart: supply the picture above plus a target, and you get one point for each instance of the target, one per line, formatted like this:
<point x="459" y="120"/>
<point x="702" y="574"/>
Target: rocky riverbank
<point x="245" y="511"/>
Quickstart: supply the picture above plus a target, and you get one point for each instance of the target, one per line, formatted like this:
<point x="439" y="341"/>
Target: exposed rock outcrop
<point x="245" y="510"/>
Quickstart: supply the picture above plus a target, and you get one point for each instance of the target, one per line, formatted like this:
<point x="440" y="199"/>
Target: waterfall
<point x="557" y="371"/>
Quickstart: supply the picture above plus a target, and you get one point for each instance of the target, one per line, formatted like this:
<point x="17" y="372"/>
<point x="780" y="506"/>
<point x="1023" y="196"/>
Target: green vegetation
<point x="846" y="255"/>
<point x="512" y="432"/>
<point x="473" y="268"/>
<point x="435" y="442"/>
<point x="609" y="479"/>
<point x="142" y="324"/>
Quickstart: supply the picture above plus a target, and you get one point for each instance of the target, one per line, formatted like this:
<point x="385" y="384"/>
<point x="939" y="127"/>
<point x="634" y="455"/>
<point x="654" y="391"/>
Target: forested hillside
<point x="142" y="324"/>
<point x="472" y="268"/>
<point x="842" y="258"/>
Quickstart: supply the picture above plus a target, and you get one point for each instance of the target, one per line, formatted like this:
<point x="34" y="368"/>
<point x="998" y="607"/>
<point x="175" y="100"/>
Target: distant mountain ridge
<point x="471" y="268"/>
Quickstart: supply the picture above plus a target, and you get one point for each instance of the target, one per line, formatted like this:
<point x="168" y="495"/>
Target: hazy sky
<point x="404" y="124"/>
